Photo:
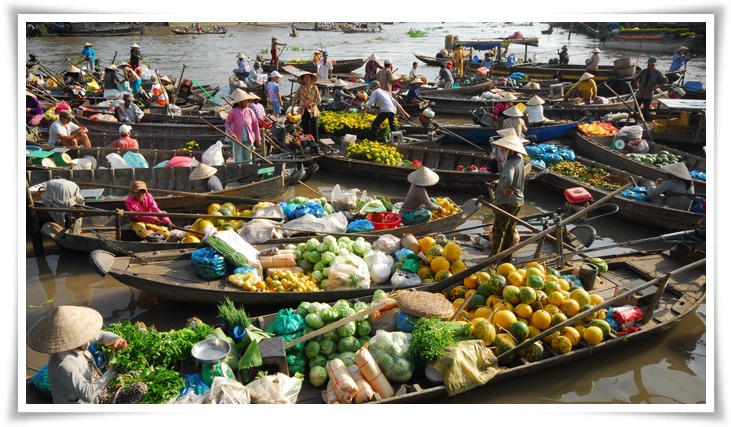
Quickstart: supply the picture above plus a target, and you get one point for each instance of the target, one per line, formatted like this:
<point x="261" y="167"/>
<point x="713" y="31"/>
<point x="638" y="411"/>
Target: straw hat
<point x="125" y="129"/>
<point x="508" y="97"/>
<point x="239" y="95"/>
<point x="111" y="67"/>
<point x="301" y="77"/>
<point x="586" y="76"/>
<point x="678" y="169"/>
<point x="73" y="69"/>
<point x="340" y="83"/>
<point x="507" y="132"/>
<point x="417" y="81"/>
<point x="88" y="44"/>
<point x="596" y="50"/>
<point x="513" y="112"/>
<point x="135" y="45"/>
<point x="373" y="57"/>
<point x="165" y="79"/>
<point x="536" y="100"/>
<point x="423" y="176"/>
<point x="64" y="328"/>
<point x="202" y="171"/>
<point x="425" y="304"/>
<point x="511" y="142"/>
<point x="139" y="185"/>
<point x="681" y="49"/>
<point x="241" y="55"/>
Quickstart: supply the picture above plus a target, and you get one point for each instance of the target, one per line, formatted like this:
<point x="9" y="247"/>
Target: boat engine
<point x="577" y="198"/>
<point x="427" y="114"/>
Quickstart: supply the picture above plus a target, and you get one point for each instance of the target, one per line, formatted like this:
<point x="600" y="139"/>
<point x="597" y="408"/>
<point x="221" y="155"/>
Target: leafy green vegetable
<point x="432" y="335"/>
<point x="233" y="316"/>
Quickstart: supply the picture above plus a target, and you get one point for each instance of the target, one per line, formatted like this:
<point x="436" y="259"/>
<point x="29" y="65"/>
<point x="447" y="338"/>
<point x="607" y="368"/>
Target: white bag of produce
<point x="334" y="223"/>
<point x="259" y="231"/>
<point x="213" y="156"/>
<point x="388" y="243"/>
<point x="389" y="351"/>
<point x="237" y="243"/>
<point x="117" y="162"/>
<point x="278" y="388"/>
<point x="379" y="265"/>
<point x="628" y="133"/>
<point x="348" y="272"/>
<point x="226" y="390"/>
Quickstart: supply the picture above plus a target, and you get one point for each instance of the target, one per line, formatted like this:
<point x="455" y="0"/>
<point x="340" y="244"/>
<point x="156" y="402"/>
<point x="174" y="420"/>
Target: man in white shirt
<point x="387" y="105"/>
<point x="64" y="132"/>
<point x="324" y="67"/>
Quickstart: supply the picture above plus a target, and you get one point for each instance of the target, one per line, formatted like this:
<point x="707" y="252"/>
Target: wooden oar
<point x="177" y="86"/>
<point x="210" y="196"/>
<point x="596" y="308"/>
<point x="506" y="253"/>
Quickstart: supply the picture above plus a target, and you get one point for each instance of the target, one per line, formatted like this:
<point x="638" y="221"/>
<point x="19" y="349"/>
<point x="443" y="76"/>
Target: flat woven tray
<point x="425" y="304"/>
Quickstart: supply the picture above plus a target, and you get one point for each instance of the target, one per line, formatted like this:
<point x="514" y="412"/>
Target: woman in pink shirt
<point x="242" y="124"/>
<point x="125" y="140"/>
<point x="142" y="201"/>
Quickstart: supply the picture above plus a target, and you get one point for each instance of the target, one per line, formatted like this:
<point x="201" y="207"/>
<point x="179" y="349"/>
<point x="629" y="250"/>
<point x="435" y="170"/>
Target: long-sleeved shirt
<point x="675" y="191"/>
<point x="311" y="95"/>
<point x="70" y="374"/>
<point x="371" y="68"/>
<point x="89" y="54"/>
<point x="129" y="114"/>
<point x="511" y="176"/>
<point x="648" y="81"/>
<point x="148" y="204"/>
<point x="587" y="89"/>
<point x="34" y="104"/>
<point x="383" y="100"/>
<point x="415" y="198"/>
<point x="413" y="94"/>
<point x="534" y="113"/>
<point x="342" y="99"/>
<point x="679" y="59"/>
<point x="516" y="123"/>
<point x="592" y="63"/>
<point x="243" y="123"/>
<point x="385" y="79"/>
<point x="497" y="111"/>
<point x="61" y="193"/>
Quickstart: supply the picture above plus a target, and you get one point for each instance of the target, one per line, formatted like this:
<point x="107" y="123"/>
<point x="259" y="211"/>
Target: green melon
<point x="496" y="285"/>
<point x="519" y="331"/>
<point x="504" y="343"/>
<point x="533" y="352"/>
<point x="477" y="301"/>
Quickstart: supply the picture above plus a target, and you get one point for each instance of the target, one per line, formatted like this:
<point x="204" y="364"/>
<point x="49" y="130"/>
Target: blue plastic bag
<point x="135" y="160"/>
<point x="194" y="384"/>
<point x="539" y="162"/>
<point x="40" y="381"/>
<point x="551" y="158"/>
<point x="403" y="253"/>
<point x="567" y="154"/>
<point x="360" y="226"/>
<point x="405" y="322"/>
<point x="208" y="263"/>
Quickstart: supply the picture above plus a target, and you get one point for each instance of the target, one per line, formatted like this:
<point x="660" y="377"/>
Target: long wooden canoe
<point x="632" y="210"/>
<point x="339" y="65"/>
<point x="481" y="135"/>
<point x="471" y="89"/>
<point x="598" y="148"/>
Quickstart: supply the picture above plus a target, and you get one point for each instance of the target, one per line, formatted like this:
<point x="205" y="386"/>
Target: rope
<point x="206" y="92"/>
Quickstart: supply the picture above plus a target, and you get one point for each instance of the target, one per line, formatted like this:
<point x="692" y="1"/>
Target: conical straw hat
<point x="511" y="142"/>
<point x="202" y="171"/>
<point x="536" y="100"/>
<point x="65" y="328"/>
<point x="586" y="76"/>
<point x="73" y="69"/>
<point x="513" y="112"/>
<point x="507" y="132"/>
<point x="340" y="83"/>
<point x="373" y="57"/>
<point x="423" y="177"/>
<point x="239" y="95"/>
<point x="508" y="97"/>
<point x="678" y="169"/>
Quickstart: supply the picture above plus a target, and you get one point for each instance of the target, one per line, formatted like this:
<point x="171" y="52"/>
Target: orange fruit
<point x="483" y="311"/>
<point x="457" y="303"/>
<point x="550" y="286"/>
<point x="558" y="318"/>
<point x="457" y="266"/>
<point x="528" y="295"/>
<point x="476" y="320"/>
<point x="596" y="299"/>
<point x="452" y="251"/>
<point x="565" y="285"/>
<point x="470" y="282"/>
<point x="581" y="296"/>
<point x="439" y="263"/>
<point x="541" y="319"/>
<point x="539" y="266"/>
<point x="484" y="331"/>
<point x="425" y="243"/>
<point x="433" y="252"/>
<point x="483" y="277"/>
<point x="561" y="344"/>
<point x="534" y="271"/>
<point x="443" y="274"/>
<point x="503" y="319"/>
<point x="593" y="335"/>
<point x="533" y="331"/>
<point x="523" y="310"/>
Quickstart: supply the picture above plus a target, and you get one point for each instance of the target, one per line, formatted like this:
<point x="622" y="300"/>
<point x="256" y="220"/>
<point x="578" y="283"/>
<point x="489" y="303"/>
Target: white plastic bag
<point x="629" y="133"/>
<point x="227" y="390"/>
<point x="379" y="265"/>
<point x="278" y="388"/>
<point x="117" y="162"/>
<point x="387" y="243"/>
<point x="213" y="156"/>
<point x="237" y="243"/>
<point x="135" y="160"/>
<point x="348" y="272"/>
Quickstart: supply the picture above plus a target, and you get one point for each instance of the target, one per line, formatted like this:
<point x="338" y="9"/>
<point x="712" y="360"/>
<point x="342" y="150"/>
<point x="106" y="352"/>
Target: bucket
<point x="384" y="220"/>
<point x="62" y="159"/>
<point x="81" y="163"/>
<point x="587" y="275"/>
<point x="622" y="63"/>
<point x="92" y="159"/>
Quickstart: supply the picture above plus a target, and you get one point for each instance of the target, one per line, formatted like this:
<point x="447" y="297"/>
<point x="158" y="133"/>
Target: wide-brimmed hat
<point x="508" y="97"/>
<point x="423" y="177"/>
<point x="513" y="112"/>
<point x="652" y="60"/>
<point x="373" y="57"/>
<point x="239" y="95"/>
<point x="124" y="64"/>
<point x="681" y="49"/>
<point x="301" y="77"/>
<point x="511" y="142"/>
<point x="678" y="169"/>
<point x="73" y="69"/>
<point x="596" y="50"/>
<point x="510" y="132"/>
<point x="202" y="171"/>
<point x="417" y="81"/>
<point x="135" y="45"/>
<point x="340" y="83"/>
<point x="139" y="185"/>
<point x="165" y="79"/>
<point x="274" y="37"/>
<point x="241" y="55"/>
<point x="586" y="76"/>
<point x="65" y="328"/>
<point x="125" y="129"/>
<point x="88" y="44"/>
<point x="111" y="67"/>
<point x="536" y="100"/>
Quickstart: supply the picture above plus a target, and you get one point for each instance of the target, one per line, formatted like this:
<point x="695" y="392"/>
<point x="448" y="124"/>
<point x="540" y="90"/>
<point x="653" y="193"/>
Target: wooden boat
<point x="598" y="148"/>
<point x="362" y="28"/>
<point x="471" y="89"/>
<point x="633" y="210"/>
<point x="339" y="66"/>
<point x="170" y="141"/>
<point x="318" y="26"/>
<point x="233" y="83"/>
<point x="481" y="135"/>
<point x="680" y="123"/>
<point x="640" y="41"/>
<point x="680" y="297"/>
<point x="180" y="32"/>
<point x="444" y="162"/>
<point x="142" y="131"/>
<point x="95" y="29"/>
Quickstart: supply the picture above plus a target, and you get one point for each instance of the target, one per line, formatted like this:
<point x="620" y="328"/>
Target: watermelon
<point x="533" y="352"/>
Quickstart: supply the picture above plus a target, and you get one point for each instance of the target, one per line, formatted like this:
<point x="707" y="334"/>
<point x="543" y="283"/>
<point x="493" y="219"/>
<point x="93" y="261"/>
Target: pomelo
<point x="519" y="331"/>
<point x="511" y="294"/>
<point x="505" y="269"/>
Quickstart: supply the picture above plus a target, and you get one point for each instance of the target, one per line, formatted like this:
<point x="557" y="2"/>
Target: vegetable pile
<point x="596" y="177"/>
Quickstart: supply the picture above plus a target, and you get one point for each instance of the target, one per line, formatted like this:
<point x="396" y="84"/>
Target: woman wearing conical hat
<point x="342" y="99"/>
<point x="207" y="174"/>
<point x="586" y="88"/>
<point x="497" y="112"/>
<point x="675" y="192"/>
<point x="508" y="190"/>
<point x="514" y="120"/>
<point x="135" y="56"/>
<point x="242" y="124"/>
<point x="417" y="206"/>
<point x="534" y="110"/>
<point x="371" y="67"/>
<point x="73" y="76"/>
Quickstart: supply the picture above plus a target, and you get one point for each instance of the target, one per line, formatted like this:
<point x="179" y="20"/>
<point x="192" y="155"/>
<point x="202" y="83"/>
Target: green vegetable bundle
<point x="431" y="336"/>
<point x="601" y="264"/>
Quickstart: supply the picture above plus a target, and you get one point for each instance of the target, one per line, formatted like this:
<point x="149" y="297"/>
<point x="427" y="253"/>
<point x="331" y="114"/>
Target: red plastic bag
<point x="627" y="315"/>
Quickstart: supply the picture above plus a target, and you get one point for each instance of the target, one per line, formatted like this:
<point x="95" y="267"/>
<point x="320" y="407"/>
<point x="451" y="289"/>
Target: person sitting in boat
<point x="446" y="78"/>
<point x="534" y="110"/>
<point x="418" y="206"/>
<point x="592" y="62"/>
<point x="159" y="94"/>
<point x="243" y="64"/>
<point x="64" y="132"/>
<point x="514" y="120"/>
<point x="586" y="88"/>
<point x="675" y="192"/>
<point x="413" y="96"/>
<point x="342" y="99"/>
<point x="142" y="201"/>
<point x="499" y="109"/>
<point x="61" y="193"/>
<point x="125" y="139"/>
<point x="135" y="81"/>
<point x="253" y="78"/>
<point x="73" y="76"/>
<point x="372" y="67"/>
<point x="127" y="111"/>
<point x="34" y="114"/>
<point x="563" y="55"/>
<point x="680" y="58"/>
<point x="207" y="174"/>
<point x="488" y="62"/>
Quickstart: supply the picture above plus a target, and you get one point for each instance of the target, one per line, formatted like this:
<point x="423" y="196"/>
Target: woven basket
<point x="425" y="304"/>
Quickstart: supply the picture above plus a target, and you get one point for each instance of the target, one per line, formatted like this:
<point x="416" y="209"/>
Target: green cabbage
<point x="318" y="376"/>
<point x="312" y="349"/>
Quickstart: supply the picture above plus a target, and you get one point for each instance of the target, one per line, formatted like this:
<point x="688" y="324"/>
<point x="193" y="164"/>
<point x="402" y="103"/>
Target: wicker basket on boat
<point x="425" y="304"/>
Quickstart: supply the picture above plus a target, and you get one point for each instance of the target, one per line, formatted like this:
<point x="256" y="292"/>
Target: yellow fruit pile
<point x="215" y="210"/>
<point x="339" y="123"/>
<point x="375" y="152"/>
<point x="450" y="208"/>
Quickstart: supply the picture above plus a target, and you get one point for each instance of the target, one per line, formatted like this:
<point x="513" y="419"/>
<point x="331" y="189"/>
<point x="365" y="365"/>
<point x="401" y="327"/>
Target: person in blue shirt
<point x="89" y="57"/>
<point x="488" y="62"/>
<point x="413" y="96"/>
<point x="680" y="58"/>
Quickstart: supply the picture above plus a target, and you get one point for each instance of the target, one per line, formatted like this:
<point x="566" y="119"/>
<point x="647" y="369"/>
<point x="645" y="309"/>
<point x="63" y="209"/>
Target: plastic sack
<point x="638" y="146"/>
<point x="628" y="133"/>
<point x="466" y="365"/>
<point x="213" y="156"/>
<point x="360" y="226"/>
<point x="551" y="158"/>
<point x="372" y="207"/>
<point x="389" y="351"/>
<point x="540" y="163"/>
<point x="379" y="265"/>
<point x="180" y="162"/>
<point x="401" y="279"/>
<point x="387" y="243"/>
<point x="238" y="243"/>
<point x="567" y="154"/>
<point x="208" y="263"/>
<point x="548" y="148"/>
<point x="40" y="382"/>
<point x="278" y="388"/>
<point x="348" y="272"/>
<point x="334" y="223"/>
<point x="194" y="384"/>
<point x="286" y="322"/>
<point x="259" y="231"/>
<point x="135" y="160"/>
<point x="225" y="390"/>
<point x="403" y="253"/>
<point x="117" y="162"/>
<point x="384" y="320"/>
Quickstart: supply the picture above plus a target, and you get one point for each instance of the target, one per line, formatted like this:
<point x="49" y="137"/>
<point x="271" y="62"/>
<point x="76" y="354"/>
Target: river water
<point x="666" y="370"/>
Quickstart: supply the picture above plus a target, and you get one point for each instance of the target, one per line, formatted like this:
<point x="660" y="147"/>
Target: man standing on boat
<point x="646" y="82"/>
<point x="508" y="191"/>
<point x="89" y="55"/>
<point x="385" y="76"/>
<point x="680" y="58"/>
<point x="135" y="56"/>
<point x="592" y="62"/>
<point x="324" y="67"/>
<point x="273" y="51"/>
<point x="563" y="55"/>
<point x="387" y="105"/>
